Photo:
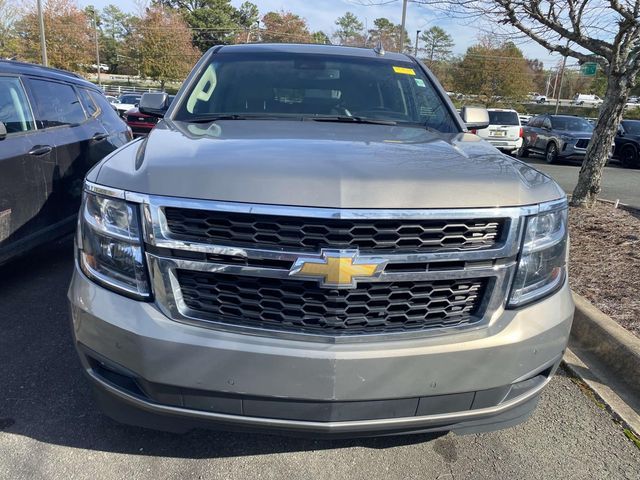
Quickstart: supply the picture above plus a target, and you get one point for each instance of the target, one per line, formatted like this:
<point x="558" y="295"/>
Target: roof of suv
<point x="311" y="48"/>
<point x="12" y="66"/>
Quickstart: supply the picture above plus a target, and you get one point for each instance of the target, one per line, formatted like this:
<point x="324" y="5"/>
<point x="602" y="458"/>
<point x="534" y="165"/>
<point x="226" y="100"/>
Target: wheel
<point x="523" y="152"/>
<point x="551" y="155"/>
<point x="629" y="156"/>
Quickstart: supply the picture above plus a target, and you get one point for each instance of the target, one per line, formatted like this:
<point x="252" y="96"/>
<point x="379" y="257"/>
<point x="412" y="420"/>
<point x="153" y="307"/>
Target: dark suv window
<point x="108" y="116"/>
<point x="14" y="108"/>
<point x="87" y="102"/>
<point x="57" y="104"/>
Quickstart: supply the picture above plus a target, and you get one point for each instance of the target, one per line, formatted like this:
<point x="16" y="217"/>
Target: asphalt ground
<point x="618" y="183"/>
<point x="50" y="427"/>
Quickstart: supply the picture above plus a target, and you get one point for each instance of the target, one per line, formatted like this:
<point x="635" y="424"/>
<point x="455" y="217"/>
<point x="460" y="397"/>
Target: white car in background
<point x="538" y="98"/>
<point x="126" y="102"/>
<point x="504" y="131"/>
<point x="584" y="99"/>
<point x="524" y="119"/>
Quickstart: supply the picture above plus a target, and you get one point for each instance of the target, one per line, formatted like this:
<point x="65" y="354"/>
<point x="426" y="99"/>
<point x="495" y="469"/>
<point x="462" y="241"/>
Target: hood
<point x="574" y="133"/>
<point x="320" y="164"/>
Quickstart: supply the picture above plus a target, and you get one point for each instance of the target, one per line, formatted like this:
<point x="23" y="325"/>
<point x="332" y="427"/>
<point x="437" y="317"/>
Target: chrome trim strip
<point x="103" y="190"/>
<point x="156" y="231"/>
<point x="352" y="426"/>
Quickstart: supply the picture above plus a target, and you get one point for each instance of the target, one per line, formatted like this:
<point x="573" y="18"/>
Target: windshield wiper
<point x="228" y="116"/>
<point x="348" y="119"/>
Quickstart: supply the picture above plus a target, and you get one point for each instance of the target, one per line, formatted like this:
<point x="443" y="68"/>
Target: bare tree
<point x="606" y="32"/>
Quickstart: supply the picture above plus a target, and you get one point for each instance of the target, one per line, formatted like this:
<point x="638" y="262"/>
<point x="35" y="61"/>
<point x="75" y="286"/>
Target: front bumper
<point x="152" y="371"/>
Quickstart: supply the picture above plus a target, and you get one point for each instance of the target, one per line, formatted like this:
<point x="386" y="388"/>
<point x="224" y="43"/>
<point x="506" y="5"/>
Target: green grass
<point x="632" y="436"/>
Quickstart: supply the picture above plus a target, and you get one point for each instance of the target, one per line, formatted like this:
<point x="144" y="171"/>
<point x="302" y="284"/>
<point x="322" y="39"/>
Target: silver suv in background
<point x="311" y="242"/>
<point x="504" y="131"/>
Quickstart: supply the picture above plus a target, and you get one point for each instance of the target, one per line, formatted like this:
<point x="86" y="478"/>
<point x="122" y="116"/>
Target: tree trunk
<point x="599" y="149"/>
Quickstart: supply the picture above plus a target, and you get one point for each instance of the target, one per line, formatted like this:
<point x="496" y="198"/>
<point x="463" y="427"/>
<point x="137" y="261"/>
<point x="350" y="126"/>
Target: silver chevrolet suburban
<point x="310" y="242"/>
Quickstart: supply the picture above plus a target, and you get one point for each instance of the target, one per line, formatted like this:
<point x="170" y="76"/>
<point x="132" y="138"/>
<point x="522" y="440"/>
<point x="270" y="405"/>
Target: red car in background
<point x="140" y="123"/>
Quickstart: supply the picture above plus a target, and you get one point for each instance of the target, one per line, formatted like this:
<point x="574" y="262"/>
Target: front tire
<point x="629" y="156"/>
<point x="522" y="151"/>
<point x="551" y="155"/>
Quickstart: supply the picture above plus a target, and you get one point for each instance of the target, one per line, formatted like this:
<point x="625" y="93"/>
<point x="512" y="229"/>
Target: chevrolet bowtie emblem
<point x="337" y="269"/>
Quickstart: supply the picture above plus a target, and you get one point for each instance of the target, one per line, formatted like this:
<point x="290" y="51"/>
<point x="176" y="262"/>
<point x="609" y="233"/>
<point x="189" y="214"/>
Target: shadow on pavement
<point x="44" y="396"/>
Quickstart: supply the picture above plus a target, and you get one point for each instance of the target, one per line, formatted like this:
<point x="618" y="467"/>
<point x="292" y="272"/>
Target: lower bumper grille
<point x="304" y="307"/>
<point x="582" y="143"/>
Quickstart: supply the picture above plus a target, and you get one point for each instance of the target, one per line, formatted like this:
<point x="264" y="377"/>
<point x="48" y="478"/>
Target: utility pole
<point x="415" y="54"/>
<point x="564" y="63"/>
<point x="402" y="24"/>
<point x="43" y="43"/>
<point x="95" y="32"/>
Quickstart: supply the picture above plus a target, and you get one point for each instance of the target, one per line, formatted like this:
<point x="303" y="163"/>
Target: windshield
<point x="631" y="127"/>
<point x="314" y="86"/>
<point x="571" y="124"/>
<point x="503" y="118"/>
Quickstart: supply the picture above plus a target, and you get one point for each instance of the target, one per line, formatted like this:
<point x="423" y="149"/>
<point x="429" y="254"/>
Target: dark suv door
<point x="27" y="164"/>
<point x="76" y="135"/>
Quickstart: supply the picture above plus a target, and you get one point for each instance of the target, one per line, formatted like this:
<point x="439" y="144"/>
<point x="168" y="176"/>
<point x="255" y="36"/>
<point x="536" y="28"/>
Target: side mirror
<point x="154" y="104"/>
<point x="3" y="131"/>
<point x="475" y="117"/>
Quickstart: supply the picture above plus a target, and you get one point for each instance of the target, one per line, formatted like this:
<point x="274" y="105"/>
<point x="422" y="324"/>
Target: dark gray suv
<point x="54" y="126"/>
<point x="556" y="137"/>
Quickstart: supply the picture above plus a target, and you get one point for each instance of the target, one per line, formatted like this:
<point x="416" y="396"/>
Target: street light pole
<point x="43" y="43"/>
<point x="95" y="32"/>
<point x="402" y="24"/>
<point x="415" y="53"/>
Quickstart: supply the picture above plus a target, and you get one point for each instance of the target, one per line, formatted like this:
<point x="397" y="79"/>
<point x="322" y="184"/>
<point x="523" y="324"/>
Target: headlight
<point x="567" y="138"/>
<point x="110" y="247"/>
<point x="542" y="265"/>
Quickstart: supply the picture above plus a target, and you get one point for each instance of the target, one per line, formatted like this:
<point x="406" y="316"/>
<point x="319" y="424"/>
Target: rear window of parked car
<point x="57" y="104"/>
<point x="130" y="99"/>
<point x="503" y="118"/>
<point x="107" y="115"/>
<point x="87" y="102"/>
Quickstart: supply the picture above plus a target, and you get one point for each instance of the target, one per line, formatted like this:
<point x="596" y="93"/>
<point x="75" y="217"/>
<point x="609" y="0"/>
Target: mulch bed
<point x="604" y="264"/>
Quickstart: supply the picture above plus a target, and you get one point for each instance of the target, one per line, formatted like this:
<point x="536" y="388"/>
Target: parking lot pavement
<point x="50" y="428"/>
<point x="617" y="183"/>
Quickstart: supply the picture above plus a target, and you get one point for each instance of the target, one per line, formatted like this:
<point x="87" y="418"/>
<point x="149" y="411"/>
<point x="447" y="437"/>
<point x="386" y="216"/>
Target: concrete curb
<point x="616" y="348"/>
<point x="607" y="358"/>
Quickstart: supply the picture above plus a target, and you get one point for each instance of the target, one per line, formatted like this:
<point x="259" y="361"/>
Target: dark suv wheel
<point x="551" y="155"/>
<point x="522" y="151"/>
<point x="629" y="156"/>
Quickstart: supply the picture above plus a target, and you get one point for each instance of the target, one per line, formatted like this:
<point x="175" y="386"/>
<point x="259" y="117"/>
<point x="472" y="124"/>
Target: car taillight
<point x="521" y="132"/>
<point x="474" y="131"/>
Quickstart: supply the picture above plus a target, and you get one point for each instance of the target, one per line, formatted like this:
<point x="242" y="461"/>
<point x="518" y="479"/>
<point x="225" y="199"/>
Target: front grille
<point x="302" y="306"/>
<point x="582" y="143"/>
<point x="312" y="234"/>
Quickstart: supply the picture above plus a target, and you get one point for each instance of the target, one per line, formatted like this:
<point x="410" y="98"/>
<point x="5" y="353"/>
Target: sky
<point x="321" y="15"/>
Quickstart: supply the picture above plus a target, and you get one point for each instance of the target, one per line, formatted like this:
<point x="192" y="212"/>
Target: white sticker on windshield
<point x="420" y="82"/>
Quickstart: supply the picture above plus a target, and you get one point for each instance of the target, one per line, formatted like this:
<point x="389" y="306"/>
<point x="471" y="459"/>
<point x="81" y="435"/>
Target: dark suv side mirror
<point x="154" y="104"/>
<point x="3" y="131"/>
